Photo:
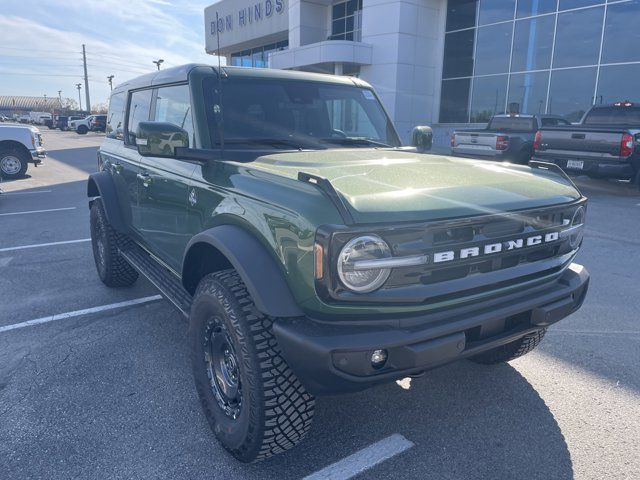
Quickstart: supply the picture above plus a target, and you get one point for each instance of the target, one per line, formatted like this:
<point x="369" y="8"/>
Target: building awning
<point x="9" y="102"/>
<point x="329" y="51"/>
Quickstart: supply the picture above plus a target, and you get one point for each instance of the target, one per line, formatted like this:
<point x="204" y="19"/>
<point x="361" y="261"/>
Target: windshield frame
<point x="210" y="86"/>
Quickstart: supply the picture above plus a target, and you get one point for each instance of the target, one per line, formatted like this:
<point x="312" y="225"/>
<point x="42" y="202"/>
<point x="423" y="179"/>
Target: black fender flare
<point x="101" y="185"/>
<point x="257" y="268"/>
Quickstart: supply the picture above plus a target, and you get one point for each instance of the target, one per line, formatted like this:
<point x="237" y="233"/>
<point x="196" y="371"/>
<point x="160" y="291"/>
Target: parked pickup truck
<point x="606" y="143"/>
<point x="19" y="145"/>
<point x="506" y="137"/>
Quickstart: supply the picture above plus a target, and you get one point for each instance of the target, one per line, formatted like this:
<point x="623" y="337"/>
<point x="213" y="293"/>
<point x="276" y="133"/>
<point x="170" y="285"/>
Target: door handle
<point x="117" y="168"/>
<point x="145" y="177"/>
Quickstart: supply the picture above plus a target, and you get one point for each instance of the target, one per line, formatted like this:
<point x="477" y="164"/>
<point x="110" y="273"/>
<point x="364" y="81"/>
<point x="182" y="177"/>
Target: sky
<point x="41" y="43"/>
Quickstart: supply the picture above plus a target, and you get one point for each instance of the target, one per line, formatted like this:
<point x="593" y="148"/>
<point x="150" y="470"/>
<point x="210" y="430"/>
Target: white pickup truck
<point x="19" y="146"/>
<point x="81" y="126"/>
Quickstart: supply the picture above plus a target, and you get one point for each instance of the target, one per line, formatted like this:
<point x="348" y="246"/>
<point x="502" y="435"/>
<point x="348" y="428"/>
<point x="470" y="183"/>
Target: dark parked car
<point x="506" y="137"/>
<point x="61" y="122"/>
<point x="605" y="144"/>
<point x="99" y="123"/>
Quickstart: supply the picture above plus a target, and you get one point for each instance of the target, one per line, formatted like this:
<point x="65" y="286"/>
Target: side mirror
<point x="160" y="139"/>
<point x="422" y="138"/>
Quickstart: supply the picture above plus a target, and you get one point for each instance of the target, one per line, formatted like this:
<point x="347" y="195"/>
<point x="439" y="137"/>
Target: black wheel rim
<point x="222" y="368"/>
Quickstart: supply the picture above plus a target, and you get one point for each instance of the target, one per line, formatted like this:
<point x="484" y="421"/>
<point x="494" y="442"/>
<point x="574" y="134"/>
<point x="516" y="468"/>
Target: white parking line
<point x="364" y="459"/>
<point x="26" y="193"/>
<point x="38" y="211"/>
<point x="77" y="313"/>
<point x="23" y="247"/>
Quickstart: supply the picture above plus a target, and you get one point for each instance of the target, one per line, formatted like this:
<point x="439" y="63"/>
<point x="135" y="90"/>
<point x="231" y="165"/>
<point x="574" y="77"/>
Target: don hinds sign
<point x="255" y="12"/>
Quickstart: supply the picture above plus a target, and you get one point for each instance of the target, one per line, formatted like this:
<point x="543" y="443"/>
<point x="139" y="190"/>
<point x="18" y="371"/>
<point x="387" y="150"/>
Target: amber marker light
<point x="318" y="252"/>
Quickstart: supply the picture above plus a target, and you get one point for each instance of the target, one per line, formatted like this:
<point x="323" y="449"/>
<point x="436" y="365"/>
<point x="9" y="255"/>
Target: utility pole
<point x="60" y="95"/>
<point x="158" y="62"/>
<point x="110" y="80"/>
<point x="86" y="79"/>
<point x="79" y="86"/>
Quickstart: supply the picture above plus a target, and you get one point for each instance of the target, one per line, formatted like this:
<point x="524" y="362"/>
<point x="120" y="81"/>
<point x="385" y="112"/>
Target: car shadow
<point x="466" y="421"/>
<point x="82" y="158"/>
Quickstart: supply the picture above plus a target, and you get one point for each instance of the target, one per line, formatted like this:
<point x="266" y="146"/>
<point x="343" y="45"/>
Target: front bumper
<point x="596" y="168"/>
<point x="37" y="155"/>
<point x="334" y="356"/>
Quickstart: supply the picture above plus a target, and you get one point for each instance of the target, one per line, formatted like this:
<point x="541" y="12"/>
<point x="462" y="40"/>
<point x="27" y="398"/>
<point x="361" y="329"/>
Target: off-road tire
<point x="13" y="155"/>
<point x="510" y="351"/>
<point x="276" y="411"/>
<point x="82" y="130"/>
<point x="113" y="269"/>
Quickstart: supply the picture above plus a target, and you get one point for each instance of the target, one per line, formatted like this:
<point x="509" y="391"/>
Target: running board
<point x="161" y="278"/>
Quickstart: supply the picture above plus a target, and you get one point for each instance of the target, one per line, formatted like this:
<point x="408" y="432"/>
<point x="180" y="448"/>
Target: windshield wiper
<point x="356" y="141"/>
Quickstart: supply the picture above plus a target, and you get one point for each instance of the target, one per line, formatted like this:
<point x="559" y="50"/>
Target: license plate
<point x="575" y="164"/>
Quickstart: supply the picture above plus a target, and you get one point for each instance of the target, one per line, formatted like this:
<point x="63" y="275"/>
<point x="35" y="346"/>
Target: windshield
<point x="285" y="114"/>
<point x="512" y="123"/>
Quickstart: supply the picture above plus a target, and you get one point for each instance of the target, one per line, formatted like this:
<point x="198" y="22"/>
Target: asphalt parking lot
<point x="108" y="393"/>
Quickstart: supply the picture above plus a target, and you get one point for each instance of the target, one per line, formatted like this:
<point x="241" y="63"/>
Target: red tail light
<point x="453" y="140"/>
<point x="537" y="141"/>
<point x="502" y="142"/>
<point x="626" y="145"/>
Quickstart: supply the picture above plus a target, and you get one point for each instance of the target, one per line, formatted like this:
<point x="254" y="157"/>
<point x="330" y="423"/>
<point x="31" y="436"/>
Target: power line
<point x="39" y="74"/>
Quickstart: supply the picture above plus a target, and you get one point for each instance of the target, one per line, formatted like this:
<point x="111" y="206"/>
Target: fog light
<point x="378" y="357"/>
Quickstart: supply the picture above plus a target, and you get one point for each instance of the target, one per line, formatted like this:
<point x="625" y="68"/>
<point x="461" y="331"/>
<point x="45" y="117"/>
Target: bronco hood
<point x="395" y="185"/>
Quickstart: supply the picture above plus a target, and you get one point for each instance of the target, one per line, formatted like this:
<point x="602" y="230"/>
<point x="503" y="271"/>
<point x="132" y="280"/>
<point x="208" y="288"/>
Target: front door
<point x="163" y="185"/>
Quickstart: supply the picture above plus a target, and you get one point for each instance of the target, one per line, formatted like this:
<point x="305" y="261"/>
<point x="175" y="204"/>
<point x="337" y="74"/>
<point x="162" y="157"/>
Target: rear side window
<point x="613" y="116"/>
<point x="139" y="107"/>
<point x="115" y="117"/>
<point x="553" y="122"/>
<point x="173" y="105"/>
<point x="511" y="123"/>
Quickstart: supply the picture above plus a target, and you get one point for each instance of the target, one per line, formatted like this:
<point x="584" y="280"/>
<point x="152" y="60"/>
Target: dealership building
<point x="445" y="63"/>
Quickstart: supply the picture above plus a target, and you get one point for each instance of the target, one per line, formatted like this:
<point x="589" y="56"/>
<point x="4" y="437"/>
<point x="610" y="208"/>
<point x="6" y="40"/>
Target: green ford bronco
<point x="311" y="252"/>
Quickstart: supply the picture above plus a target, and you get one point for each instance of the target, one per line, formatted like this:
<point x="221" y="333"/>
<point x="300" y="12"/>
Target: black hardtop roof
<point x="182" y="72"/>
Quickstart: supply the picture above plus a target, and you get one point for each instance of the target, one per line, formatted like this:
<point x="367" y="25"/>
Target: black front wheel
<point x="82" y="130"/>
<point x="510" y="351"/>
<point x="254" y="403"/>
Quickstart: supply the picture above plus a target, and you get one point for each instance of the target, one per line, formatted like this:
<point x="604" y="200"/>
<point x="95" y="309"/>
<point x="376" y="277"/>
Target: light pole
<point x="79" y="86"/>
<point x="158" y="62"/>
<point x="45" y="102"/>
<point x="110" y="80"/>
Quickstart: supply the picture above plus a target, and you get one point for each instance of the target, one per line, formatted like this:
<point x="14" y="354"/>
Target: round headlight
<point x="577" y="222"/>
<point x="353" y="270"/>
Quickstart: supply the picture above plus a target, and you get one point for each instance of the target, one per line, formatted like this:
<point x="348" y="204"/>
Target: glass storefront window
<point x="618" y="83"/>
<point x="454" y="101"/>
<point x="567" y="4"/>
<point x="528" y="8"/>
<point x="532" y="44"/>
<point x="571" y="92"/>
<point x="492" y="11"/>
<point x="488" y="45"/>
<point x="488" y="97"/>
<point x="529" y="91"/>
<point x="346" y="21"/>
<point x="578" y="37"/>
<point x="461" y="14"/>
<point x="257" y="57"/>
<point x="493" y="49"/>
<point x="622" y="33"/>
<point x="458" y="54"/>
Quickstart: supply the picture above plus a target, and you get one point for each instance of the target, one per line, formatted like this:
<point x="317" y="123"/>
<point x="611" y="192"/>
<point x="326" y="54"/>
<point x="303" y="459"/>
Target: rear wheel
<point x="113" y="269"/>
<point x="510" y="351"/>
<point x="254" y="403"/>
<point x="13" y="163"/>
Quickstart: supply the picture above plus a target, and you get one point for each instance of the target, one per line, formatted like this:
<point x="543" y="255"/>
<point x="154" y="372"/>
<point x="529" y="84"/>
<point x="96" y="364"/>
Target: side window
<point x="138" y="112"/>
<point x="115" y="118"/>
<point x="173" y="105"/>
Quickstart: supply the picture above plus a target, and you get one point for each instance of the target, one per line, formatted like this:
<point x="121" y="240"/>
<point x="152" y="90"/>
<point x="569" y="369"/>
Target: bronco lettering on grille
<point x="489" y="248"/>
